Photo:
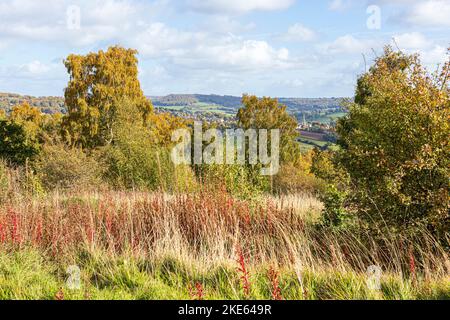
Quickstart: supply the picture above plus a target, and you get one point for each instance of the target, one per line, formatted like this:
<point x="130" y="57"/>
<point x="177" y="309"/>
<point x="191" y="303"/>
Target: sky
<point x="282" y="48"/>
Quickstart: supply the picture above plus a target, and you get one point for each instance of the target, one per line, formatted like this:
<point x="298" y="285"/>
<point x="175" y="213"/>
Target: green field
<point x="202" y="108"/>
<point x="305" y="147"/>
<point x="332" y="117"/>
<point x="308" y="144"/>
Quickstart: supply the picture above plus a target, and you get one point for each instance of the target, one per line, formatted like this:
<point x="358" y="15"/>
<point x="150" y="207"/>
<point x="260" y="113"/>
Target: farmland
<point x="320" y="110"/>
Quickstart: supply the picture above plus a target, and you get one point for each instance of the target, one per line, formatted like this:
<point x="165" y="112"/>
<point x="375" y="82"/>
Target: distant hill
<point x="324" y="110"/>
<point x="312" y="109"/>
<point x="297" y="104"/>
<point x="48" y="105"/>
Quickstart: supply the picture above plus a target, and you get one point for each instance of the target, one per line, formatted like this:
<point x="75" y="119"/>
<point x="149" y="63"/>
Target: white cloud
<point x="158" y="40"/>
<point x="3" y="45"/>
<point x="222" y="51"/>
<point x="348" y="44"/>
<point x="430" y="13"/>
<point x="250" y="54"/>
<point x="235" y="54"/>
<point x="101" y="20"/>
<point x="111" y="12"/>
<point x="433" y="57"/>
<point x="35" y="68"/>
<point x="299" y="32"/>
<point x="166" y="53"/>
<point x="292" y="83"/>
<point x="208" y="51"/>
<point x="158" y="72"/>
<point x="413" y="40"/>
<point x="238" y="6"/>
<point x="430" y="52"/>
<point x="225" y="24"/>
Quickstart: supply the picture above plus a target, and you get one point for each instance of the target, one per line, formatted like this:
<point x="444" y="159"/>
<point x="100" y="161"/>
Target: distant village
<point x="312" y="134"/>
<point x="314" y="126"/>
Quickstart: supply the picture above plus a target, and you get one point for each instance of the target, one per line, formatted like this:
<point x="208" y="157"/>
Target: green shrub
<point x="395" y="146"/>
<point x="4" y="181"/>
<point x="136" y="160"/>
<point x="334" y="214"/>
<point x="137" y="164"/>
<point x="335" y="188"/>
<point x="240" y="181"/>
<point x="16" y="144"/>
<point x="62" y="167"/>
<point x="30" y="182"/>
<point x="297" y="177"/>
<point x="17" y="182"/>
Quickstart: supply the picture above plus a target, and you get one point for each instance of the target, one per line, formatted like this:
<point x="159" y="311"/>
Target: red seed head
<point x="242" y="269"/>
<point x="275" y="283"/>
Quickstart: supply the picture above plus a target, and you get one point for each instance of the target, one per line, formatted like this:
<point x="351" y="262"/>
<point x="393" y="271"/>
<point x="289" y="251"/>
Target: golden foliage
<point x="98" y="83"/>
<point x="267" y="113"/>
<point x="162" y="125"/>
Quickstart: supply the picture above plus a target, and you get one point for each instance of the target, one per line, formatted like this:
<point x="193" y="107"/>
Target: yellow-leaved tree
<point x="268" y="113"/>
<point x="21" y="134"/>
<point x="98" y="83"/>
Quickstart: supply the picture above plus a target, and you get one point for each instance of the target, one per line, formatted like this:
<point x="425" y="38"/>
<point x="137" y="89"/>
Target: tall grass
<point x="203" y="245"/>
<point x="185" y="239"/>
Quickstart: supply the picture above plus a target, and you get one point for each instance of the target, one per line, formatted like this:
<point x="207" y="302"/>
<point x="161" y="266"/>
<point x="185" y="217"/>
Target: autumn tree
<point x="267" y="113"/>
<point x="162" y="125"/>
<point x="98" y="83"/>
<point x="28" y="117"/>
<point x="25" y="113"/>
<point x="139" y="156"/>
<point x="21" y="134"/>
<point x="395" y="144"/>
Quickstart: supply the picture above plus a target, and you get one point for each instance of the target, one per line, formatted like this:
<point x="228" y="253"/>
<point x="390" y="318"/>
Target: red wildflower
<point x="59" y="295"/>
<point x="198" y="293"/>
<point x="245" y="276"/>
<point x="275" y="283"/>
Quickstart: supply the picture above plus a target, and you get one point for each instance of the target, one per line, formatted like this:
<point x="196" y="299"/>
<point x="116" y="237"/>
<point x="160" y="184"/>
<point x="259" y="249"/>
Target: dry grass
<point x="207" y="228"/>
<point x="204" y="245"/>
<point x="306" y="206"/>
